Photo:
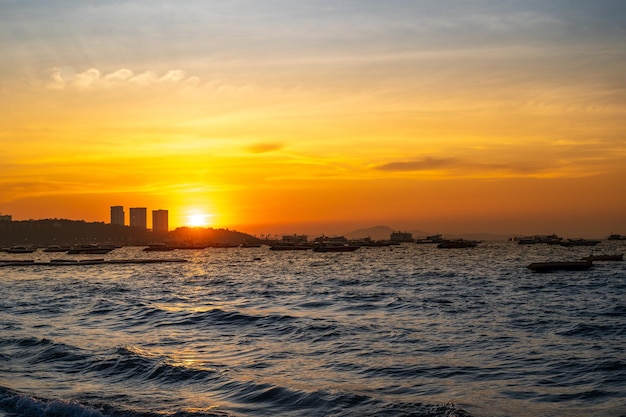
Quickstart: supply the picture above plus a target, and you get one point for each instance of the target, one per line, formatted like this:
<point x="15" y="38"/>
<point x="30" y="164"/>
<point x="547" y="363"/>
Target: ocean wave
<point x="269" y="400"/>
<point x="152" y="315"/>
<point x="17" y="404"/>
<point x="132" y="366"/>
<point x="283" y="402"/>
<point x="23" y="405"/>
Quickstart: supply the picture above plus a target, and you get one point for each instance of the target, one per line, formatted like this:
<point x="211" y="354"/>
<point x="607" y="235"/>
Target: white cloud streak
<point x="93" y="78"/>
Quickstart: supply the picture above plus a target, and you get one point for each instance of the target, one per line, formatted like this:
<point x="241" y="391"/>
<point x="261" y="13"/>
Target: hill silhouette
<point x="73" y="232"/>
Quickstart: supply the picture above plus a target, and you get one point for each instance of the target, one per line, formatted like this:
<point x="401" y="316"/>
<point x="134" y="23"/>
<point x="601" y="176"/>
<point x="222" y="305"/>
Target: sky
<point x="318" y="116"/>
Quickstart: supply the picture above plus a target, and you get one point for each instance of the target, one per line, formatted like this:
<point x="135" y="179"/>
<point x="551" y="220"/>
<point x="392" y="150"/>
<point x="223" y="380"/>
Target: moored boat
<point x="430" y="239"/>
<point x="14" y="262"/>
<point x="560" y="266"/>
<point x="90" y="250"/>
<point x="552" y="239"/>
<point x="21" y="249"/>
<point x="63" y="261"/>
<point x="579" y="242"/>
<point x="336" y="248"/>
<point x="286" y="246"/>
<point x="56" y="248"/>
<point x="158" y="247"/>
<point x="250" y="245"/>
<point x="369" y="243"/>
<point x="457" y="244"/>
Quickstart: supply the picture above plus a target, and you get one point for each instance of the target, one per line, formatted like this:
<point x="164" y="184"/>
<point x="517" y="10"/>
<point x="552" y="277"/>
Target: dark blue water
<point x="403" y="331"/>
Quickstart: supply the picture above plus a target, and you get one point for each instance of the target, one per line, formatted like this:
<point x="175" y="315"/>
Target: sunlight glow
<point x="198" y="220"/>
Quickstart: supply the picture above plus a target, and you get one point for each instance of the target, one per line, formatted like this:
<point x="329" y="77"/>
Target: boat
<point x="369" y="243"/>
<point x="21" y="249"/>
<point x="401" y="237"/>
<point x="457" y="244"/>
<point x="616" y="257"/>
<point x="14" y="262"/>
<point x="336" y="248"/>
<point x="158" y="247"/>
<point x="430" y="239"/>
<point x="250" y="245"/>
<point x="579" y="242"/>
<point x="56" y="248"/>
<point x="91" y="261"/>
<point x="552" y="239"/>
<point x="616" y="237"/>
<point x="560" y="266"/>
<point x="91" y="249"/>
<point x="289" y="246"/>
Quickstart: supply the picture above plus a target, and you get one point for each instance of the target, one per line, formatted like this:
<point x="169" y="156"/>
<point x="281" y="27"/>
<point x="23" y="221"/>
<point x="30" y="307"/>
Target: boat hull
<point x="335" y="248"/>
<point x="560" y="266"/>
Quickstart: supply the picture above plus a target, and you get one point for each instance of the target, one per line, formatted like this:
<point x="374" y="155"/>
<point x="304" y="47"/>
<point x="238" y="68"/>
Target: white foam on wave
<point x="15" y="404"/>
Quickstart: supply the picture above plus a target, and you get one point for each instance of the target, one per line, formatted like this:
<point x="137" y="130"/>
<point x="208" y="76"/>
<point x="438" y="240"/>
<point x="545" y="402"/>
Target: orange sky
<point x="320" y="117"/>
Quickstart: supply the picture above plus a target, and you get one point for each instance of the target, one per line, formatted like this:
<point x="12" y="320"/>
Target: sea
<point x="409" y="330"/>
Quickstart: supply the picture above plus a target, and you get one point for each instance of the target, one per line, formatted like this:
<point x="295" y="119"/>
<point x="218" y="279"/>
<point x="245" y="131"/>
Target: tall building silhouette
<point x="138" y="217"/>
<point x="160" y="221"/>
<point x="117" y="215"/>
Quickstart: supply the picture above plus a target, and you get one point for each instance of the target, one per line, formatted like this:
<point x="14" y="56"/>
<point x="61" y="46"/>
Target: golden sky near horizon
<point x="318" y="116"/>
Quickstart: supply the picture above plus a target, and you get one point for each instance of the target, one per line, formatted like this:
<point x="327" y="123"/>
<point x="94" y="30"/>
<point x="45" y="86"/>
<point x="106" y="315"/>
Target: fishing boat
<point x="250" y="245"/>
<point x="552" y="239"/>
<point x="158" y="247"/>
<point x="21" y="249"/>
<point x="90" y="249"/>
<point x="560" y="266"/>
<point x="579" y="242"/>
<point x="14" y="262"/>
<point x="457" y="244"/>
<point x="290" y="246"/>
<point x="430" y="239"/>
<point x="335" y="248"/>
<point x="56" y="248"/>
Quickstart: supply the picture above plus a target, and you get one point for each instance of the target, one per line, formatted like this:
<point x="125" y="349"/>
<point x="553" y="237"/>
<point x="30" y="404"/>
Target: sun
<point x="198" y="220"/>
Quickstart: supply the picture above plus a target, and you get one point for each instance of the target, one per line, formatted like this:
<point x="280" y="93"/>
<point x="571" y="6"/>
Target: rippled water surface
<point x="401" y="331"/>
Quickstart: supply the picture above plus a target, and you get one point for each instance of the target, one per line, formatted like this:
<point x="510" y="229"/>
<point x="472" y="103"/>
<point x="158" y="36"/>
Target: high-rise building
<point x="117" y="215"/>
<point x="159" y="221"/>
<point x="6" y="218"/>
<point x="138" y="217"/>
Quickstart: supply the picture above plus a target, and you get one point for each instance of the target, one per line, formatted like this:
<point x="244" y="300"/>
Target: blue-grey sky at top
<point x="119" y="33"/>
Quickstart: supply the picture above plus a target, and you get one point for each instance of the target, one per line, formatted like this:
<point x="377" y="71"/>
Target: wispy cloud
<point x="424" y="164"/>
<point x="459" y="168"/>
<point x="93" y="78"/>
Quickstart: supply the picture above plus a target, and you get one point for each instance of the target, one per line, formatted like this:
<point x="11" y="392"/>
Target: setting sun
<point x="198" y="220"/>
